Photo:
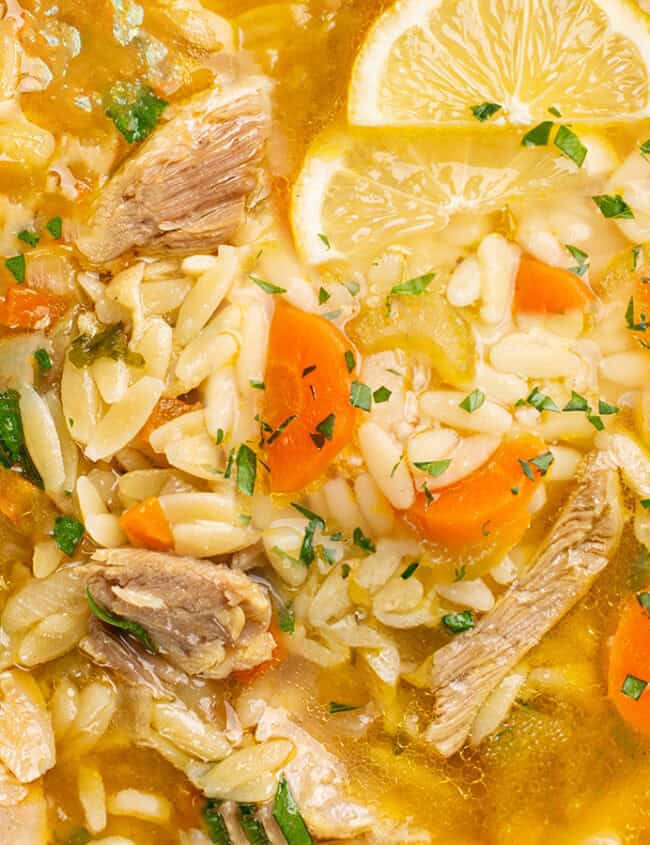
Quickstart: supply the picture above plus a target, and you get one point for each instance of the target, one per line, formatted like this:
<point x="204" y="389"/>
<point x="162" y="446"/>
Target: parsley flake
<point x="134" y="109"/>
<point x="582" y="259"/>
<point x="576" y="403"/>
<point x="360" y="395"/>
<point x="413" y="287"/>
<point x="359" y="539"/>
<point x="538" y="136"/>
<point x="456" y="623"/>
<point x="122" y="623"/>
<point x="16" y="266"/>
<point x="568" y="142"/>
<point x="410" y="570"/>
<point x="325" y="240"/>
<point x="473" y="401"/>
<point x="28" y="237"/>
<point x="326" y="426"/>
<point x="485" y="111"/>
<point x="349" y="360"/>
<point x="267" y="287"/>
<point x="382" y="394"/>
<point x="543" y="462"/>
<point x="645" y="148"/>
<point x="67" y="533"/>
<point x="633" y="687"/>
<point x="613" y="207"/>
<point x="42" y="358"/>
<point x="434" y="468"/>
<point x="336" y="707"/>
<point x="55" y="228"/>
<point x="323" y="296"/>
<point x="246" y="469"/>
<point x="606" y="409"/>
<point x="540" y="401"/>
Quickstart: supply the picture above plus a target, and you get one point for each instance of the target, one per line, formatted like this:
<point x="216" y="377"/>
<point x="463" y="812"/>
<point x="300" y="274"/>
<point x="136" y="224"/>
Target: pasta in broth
<point x="324" y="422"/>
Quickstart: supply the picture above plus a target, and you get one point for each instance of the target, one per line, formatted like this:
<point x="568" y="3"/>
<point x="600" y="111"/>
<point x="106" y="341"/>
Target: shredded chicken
<point x="186" y="189"/>
<point x="204" y="618"/>
<point x="577" y="549"/>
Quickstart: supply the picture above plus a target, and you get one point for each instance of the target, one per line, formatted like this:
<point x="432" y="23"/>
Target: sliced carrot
<point x="629" y="664"/>
<point x="147" y="527"/>
<point x="542" y="289"/>
<point x="490" y="506"/>
<point x="245" y="677"/>
<point x="27" y="308"/>
<point x="307" y="398"/>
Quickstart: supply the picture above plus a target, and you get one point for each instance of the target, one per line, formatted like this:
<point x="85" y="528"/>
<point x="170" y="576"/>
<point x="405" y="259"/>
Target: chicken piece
<point x="186" y="189"/>
<point x="204" y="618"/>
<point x="576" y="550"/>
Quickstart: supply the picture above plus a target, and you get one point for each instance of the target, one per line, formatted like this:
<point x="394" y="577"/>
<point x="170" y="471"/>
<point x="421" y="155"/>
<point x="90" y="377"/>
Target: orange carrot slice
<point x="488" y="506"/>
<point x="307" y="397"/>
<point x="27" y="308"/>
<point x="542" y="289"/>
<point x="629" y="663"/>
<point x="146" y="526"/>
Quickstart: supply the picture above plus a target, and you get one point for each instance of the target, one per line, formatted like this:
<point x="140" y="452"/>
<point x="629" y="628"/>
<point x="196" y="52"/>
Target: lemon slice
<point x="362" y="191"/>
<point x="428" y="62"/>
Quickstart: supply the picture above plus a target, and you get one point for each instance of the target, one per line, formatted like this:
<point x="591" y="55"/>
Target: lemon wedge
<point x="362" y="191"/>
<point x="430" y="62"/>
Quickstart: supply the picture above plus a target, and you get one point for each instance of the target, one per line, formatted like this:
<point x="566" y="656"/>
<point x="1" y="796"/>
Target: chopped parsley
<point x="345" y="571"/>
<point x="485" y="111"/>
<point x="134" y="109"/>
<point x="112" y="342"/>
<point x="458" y="622"/>
<point x="256" y="385"/>
<point x="581" y="258"/>
<point x="360" y="395"/>
<point x="124" y="624"/>
<point x="645" y="148"/>
<point x="287" y="618"/>
<point x="16" y="266"/>
<point x="382" y="394"/>
<point x="568" y="142"/>
<point x="309" y="514"/>
<point x="414" y="286"/>
<point x="336" y="707"/>
<point x="323" y="296"/>
<point x="325" y="428"/>
<point x="67" y="533"/>
<point x="252" y="827"/>
<point x="214" y="823"/>
<point x="473" y="401"/>
<point x="555" y="112"/>
<point x="543" y="462"/>
<point x="349" y="360"/>
<point x="359" y="539"/>
<point x="540" y="401"/>
<point x="633" y="687"/>
<point x="629" y="319"/>
<point x="229" y="462"/>
<point x="42" y="357"/>
<point x="576" y="403"/>
<point x="280" y="429"/>
<point x="55" y="228"/>
<point x="307" y="554"/>
<point x="220" y="436"/>
<point x="13" y="450"/>
<point x="636" y="253"/>
<point x="515" y="490"/>
<point x="606" y="409"/>
<point x="28" y="237"/>
<point x="613" y="207"/>
<point x="527" y="470"/>
<point x="596" y="421"/>
<point x="246" y="469"/>
<point x="644" y="600"/>
<point x="434" y="468"/>
<point x="308" y="370"/>
<point x="459" y="573"/>
<point x="288" y="817"/>
<point x="538" y="136"/>
<point x="410" y="570"/>
<point x="325" y="240"/>
<point x="267" y="287"/>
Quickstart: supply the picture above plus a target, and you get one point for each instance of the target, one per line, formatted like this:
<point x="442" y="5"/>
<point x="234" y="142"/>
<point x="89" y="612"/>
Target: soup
<point x="324" y="422"/>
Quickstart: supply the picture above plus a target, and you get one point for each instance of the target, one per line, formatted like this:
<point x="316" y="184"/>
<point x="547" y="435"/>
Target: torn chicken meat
<point x="187" y="188"/>
<point x="577" y="549"/>
<point x="204" y="618"/>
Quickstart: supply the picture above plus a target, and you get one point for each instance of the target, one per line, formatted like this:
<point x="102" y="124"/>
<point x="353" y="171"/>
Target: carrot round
<point x="489" y="506"/>
<point x="27" y="308"/>
<point x="629" y="663"/>
<point x="542" y="289"/>
<point x="308" y="417"/>
<point x="147" y="527"/>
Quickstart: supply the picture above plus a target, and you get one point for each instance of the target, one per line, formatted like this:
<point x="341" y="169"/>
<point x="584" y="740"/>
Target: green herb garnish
<point x="644" y="600"/>
<point x="287" y="618"/>
<point x="433" y="468"/>
<point x="606" y="409"/>
<point x="485" y="111"/>
<point x="458" y="622"/>
<point x="288" y="817"/>
<point x="252" y="826"/>
<point x="413" y="287"/>
<point x="538" y="136"/>
<point x="540" y="401"/>
<point x="28" y="237"/>
<point x="13" y="450"/>
<point x="349" y="360"/>
<point x="360" y="395"/>
<point x="613" y="207"/>
<point x="582" y="260"/>
<point x="576" y="403"/>
<point x="568" y="142"/>
<point x="633" y="687"/>
<point x="134" y="109"/>
<point x="67" y="533"/>
<point x="473" y="401"/>
<point x="596" y="421"/>
<point x="336" y="707"/>
<point x="124" y="624"/>
<point x="359" y="539"/>
<point x="326" y="241"/>
<point x="267" y="287"/>
<point x="246" y="469"/>
<point x="543" y="462"/>
<point x="645" y="148"/>
<point x="555" y="112"/>
<point x="382" y="394"/>
<point x="16" y="266"/>
<point x="282" y="427"/>
<point x="220" y="436"/>
<point x="527" y="470"/>
<point x="323" y="296"/>
<point x="42" y="358"/>
<point x="213" y="820"/>
<point x="112" y="342"/>
<point x="55" y="228"/>
<point x="410" y="570"/>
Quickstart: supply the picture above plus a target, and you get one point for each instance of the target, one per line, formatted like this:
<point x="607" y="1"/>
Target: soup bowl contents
<point x="324" y="422"/>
